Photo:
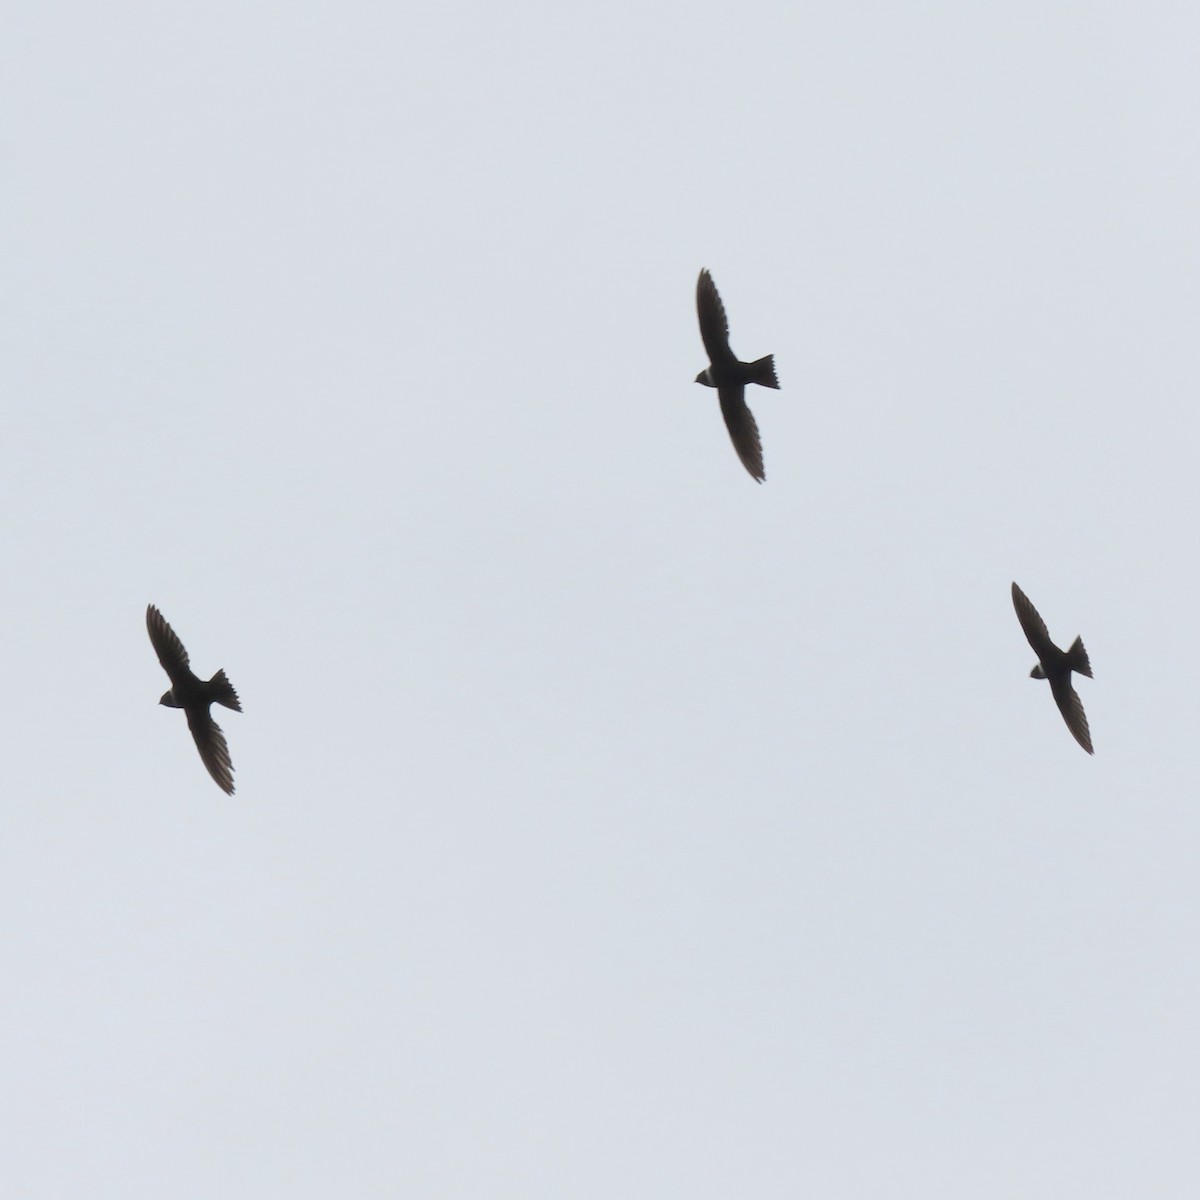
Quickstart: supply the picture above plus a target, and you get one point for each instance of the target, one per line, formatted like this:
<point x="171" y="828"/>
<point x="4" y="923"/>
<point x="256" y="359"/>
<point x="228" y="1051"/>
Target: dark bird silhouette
<point x="729" y="376"/>
<point x="1056" y="665"/>
<point x="195" y="696"/>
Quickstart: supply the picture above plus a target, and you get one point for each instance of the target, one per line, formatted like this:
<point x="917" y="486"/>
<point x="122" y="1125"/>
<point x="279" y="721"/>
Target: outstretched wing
<point x="214" y="752"/>
<point x="743" y="429"/>
<point x="1034" y="626"/>
<point x="714" y="327"/>
<point x="166" y="643"/>
<point x="1071" y="707"/>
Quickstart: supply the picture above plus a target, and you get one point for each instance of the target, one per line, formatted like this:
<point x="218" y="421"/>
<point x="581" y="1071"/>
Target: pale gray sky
<point x="606" y="825"/>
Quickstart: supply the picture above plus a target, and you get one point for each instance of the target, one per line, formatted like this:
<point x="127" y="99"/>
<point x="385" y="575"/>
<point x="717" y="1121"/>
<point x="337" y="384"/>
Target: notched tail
<point x="762" y="372"/>
<point x="1077" y="658"/>
<point x="223" y="692"/>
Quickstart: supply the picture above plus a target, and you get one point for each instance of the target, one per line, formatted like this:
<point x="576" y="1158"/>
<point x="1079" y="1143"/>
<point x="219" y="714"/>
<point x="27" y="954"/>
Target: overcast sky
<point x="607" y="825"/>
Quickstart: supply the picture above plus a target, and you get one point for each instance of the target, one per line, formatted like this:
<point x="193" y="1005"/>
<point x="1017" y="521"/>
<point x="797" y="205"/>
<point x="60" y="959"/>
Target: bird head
<point x="705" y="379"/>
<point x="1036" y="673"/>
<point x="168" y="698"/>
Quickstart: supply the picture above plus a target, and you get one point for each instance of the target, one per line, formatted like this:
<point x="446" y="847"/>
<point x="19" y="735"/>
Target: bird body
<point x="196" y="697"/>
<point x="1056" y="666"/>
<point x="730" y="376"/>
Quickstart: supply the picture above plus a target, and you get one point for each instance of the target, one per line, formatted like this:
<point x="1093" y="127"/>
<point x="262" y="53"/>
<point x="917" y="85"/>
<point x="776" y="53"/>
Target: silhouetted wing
<point x="1071" y="707"/>
<point x="210" y="741"/>
<point x="167" y="646"/>
<point x="714" y="327"/>
<point x="1034" y="626"/>
<point x="743" y="430"/>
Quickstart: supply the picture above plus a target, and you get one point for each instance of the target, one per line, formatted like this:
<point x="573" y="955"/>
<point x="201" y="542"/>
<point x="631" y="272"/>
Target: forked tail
<point x="1077" y="658"/>
<point x="223" y="693"/>
<point x="762" y="372"/>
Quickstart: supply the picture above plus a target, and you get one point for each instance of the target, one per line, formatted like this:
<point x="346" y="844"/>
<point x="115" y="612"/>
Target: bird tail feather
<point x="223" y="692"/>
<point x="1077" y="658"/>
<point x="762" y="372"/>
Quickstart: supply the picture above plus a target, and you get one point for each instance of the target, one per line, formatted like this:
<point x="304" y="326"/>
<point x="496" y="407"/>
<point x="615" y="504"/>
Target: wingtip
<point x="155" y="621"/>
<point x="757" y="473"/>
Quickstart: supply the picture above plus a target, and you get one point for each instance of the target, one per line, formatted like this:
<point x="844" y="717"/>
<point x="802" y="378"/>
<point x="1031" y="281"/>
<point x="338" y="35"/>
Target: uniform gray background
<point x="607" y="825"/>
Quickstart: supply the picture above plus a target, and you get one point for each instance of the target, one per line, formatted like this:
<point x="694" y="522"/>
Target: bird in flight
<point x="1056" y="665"/>
<point x="729" y="376"/>
<point x="195" y="696"/>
